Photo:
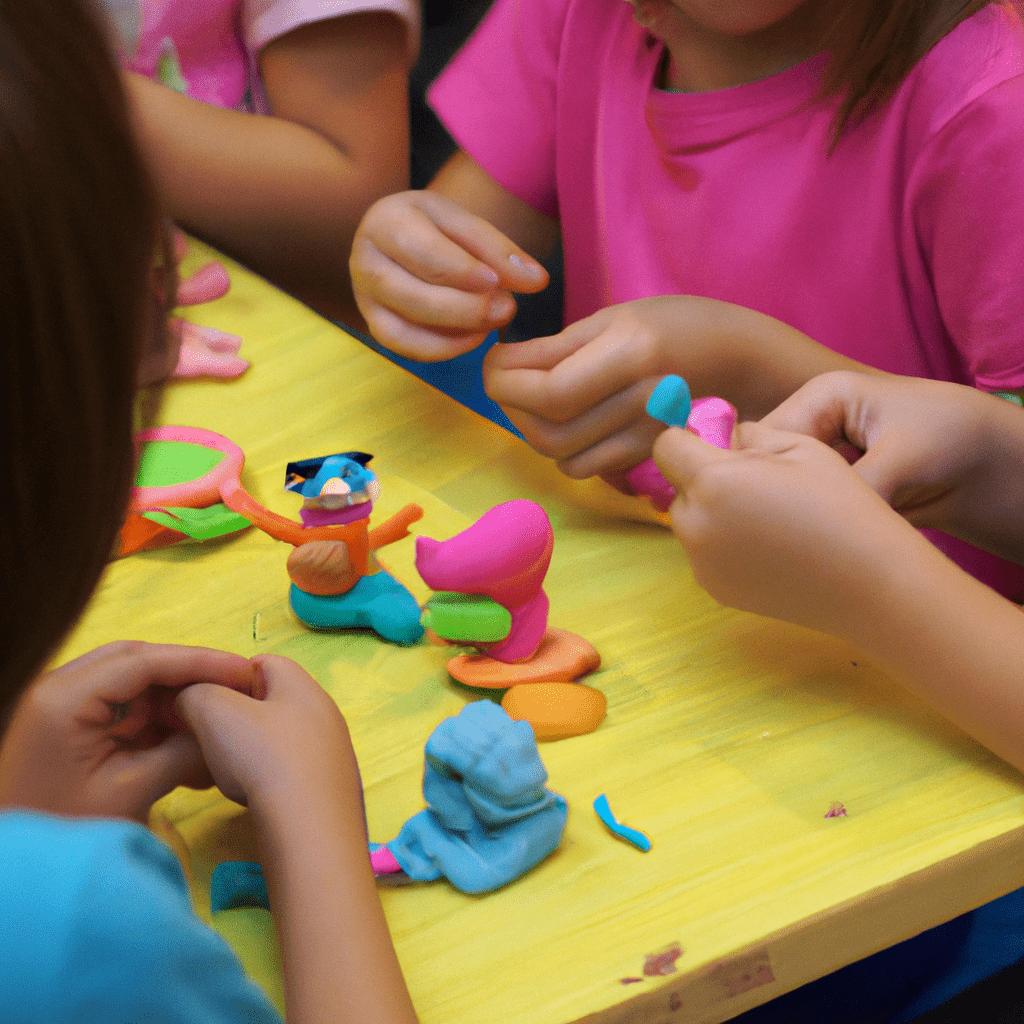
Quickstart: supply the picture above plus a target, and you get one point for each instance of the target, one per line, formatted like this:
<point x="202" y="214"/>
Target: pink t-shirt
<point x="903" y="249"/>
<point x="207" y="48"/>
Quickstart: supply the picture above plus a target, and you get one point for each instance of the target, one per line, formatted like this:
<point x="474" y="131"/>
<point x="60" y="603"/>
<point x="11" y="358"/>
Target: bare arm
<point x="284" y="193"/>
<point x="579" y="396"/>
<point x="289" y="757"/>
<point x="782" y="526"/>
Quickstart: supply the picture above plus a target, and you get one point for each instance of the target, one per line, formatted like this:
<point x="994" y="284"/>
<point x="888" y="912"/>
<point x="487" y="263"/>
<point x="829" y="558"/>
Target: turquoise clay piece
<point x="670" y="401"/>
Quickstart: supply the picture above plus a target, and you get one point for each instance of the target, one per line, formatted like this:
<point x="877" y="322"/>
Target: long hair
<point x="79" y="225"/>
<point x="875" y="43"/>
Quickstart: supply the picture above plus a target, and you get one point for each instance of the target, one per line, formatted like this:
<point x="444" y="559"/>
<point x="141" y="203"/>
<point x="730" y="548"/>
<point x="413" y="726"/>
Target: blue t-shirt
<point x="96" y="925"/>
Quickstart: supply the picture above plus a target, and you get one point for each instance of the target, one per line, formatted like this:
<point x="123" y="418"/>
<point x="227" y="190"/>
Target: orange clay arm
<point x="235" y="496"/>
<point x="396" y="527"/>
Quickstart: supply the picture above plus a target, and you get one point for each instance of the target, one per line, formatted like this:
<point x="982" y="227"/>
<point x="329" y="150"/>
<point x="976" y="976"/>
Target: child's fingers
<point x="445" y="304"/>
<point x="547" y="352"/>
<point x="681" y="456"/>
<point x="130" y="668"/>
<point x="826" y="408"/>
<point x="143" y="777"/>
<point x="423" y="344"/>
<point x="563" y="377"/>
<point x="515" y="268"/>
<point x="613" y="437"/>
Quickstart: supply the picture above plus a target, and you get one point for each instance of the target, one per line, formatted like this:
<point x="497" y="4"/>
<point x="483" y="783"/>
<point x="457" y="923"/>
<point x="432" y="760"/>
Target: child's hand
<point x="432" y="279"/>
<point x="579" y="396"/>
<point x="286" y="750"/>
<point x="98" y="736"/>
<point x="943" y="455"/>
<point x="782" y="526"/>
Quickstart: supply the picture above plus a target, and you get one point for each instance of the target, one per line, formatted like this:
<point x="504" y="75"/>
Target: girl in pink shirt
<point x="716" y="171"/>
<point x="271" y="125"/>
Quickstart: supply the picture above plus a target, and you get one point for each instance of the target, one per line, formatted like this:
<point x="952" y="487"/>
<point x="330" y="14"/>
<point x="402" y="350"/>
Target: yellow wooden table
<point x="727" y="738"/>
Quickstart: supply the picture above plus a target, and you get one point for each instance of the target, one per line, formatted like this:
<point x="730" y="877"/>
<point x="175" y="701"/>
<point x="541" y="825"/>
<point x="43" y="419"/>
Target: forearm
<point x="339" y="962"/>
<point x="949" y="639"/>
<point x="277" y="195"/>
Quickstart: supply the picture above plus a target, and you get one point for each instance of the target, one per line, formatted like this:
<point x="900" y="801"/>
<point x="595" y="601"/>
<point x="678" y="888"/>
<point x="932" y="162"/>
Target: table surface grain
<point x="727" y="738"/>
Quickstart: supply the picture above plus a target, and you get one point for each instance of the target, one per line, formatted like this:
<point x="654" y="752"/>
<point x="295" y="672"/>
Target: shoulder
<point x="96" y="922"/>
<point x="979" y="64"/>
<point x="266" y="20"/>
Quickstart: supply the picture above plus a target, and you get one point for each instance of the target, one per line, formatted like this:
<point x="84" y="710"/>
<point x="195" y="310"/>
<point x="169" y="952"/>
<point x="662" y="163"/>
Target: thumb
<point x="681" y="455"/>
<point x="880" y="470"/>
<point x="147" y="775"/>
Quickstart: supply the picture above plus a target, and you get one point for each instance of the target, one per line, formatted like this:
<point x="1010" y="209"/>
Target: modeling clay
<point x="631" y="835"/>
<point x="471" y="618"/>
<point x="670" y="401"/>
<point x="561" y="657"/>
<point x="711" y="419"/>
<point x="238" y="883"/>
<point x="556" y="710"/>
<point x="208" y="283"/>
<point x="199" y="523"/>
<point x="504" y="556"/>
<point x="183" y="466"/>
<point x="206" y="352"/>
<point x="663" y="961"/>
<point x="489" y="817"/>
<point x="338" y="584"/>
<point x="176" y="489"/>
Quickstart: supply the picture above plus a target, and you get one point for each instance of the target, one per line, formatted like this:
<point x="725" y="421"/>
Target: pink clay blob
<point x="504" y="555"/>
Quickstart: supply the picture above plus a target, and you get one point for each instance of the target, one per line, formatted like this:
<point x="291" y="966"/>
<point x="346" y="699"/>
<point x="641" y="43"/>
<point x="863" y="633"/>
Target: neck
<point x="701" y="59"/>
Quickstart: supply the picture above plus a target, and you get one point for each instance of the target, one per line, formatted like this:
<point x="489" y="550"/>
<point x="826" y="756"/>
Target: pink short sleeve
<point x="498" y="97"/>
<point x="266" y="20"/>
<point x="966" y="197"/>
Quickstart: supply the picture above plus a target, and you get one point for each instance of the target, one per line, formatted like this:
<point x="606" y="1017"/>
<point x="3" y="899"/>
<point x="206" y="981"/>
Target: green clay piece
<point x="165" y="463"/>
<point x="1010" y="397"/>
<point x="469" y="617"/>
<point x="168" y="67"/>
<point x="199" y="523"/>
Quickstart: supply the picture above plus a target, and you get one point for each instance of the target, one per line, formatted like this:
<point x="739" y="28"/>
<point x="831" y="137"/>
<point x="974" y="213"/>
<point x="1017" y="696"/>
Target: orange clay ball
<point x="556" y="710"/>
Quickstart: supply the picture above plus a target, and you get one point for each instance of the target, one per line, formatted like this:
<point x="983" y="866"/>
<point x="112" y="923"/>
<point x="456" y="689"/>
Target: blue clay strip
<point x="631" y="835"/>
<point x="670" y="401"/>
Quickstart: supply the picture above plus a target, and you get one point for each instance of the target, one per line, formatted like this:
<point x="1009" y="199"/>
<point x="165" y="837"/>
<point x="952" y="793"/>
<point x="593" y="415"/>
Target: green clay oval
<point x="164" y="463"/>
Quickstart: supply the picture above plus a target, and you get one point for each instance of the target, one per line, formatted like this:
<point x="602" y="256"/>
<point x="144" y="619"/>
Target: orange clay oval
<point x="556" y="710"/>
<point x="562" y="656"/>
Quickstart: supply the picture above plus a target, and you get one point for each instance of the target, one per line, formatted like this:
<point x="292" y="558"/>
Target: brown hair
<point x="78" y="229"/>
<point x="875" y="43"/>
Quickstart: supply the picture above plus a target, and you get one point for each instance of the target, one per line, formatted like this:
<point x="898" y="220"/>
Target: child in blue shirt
<point x="95" y="919"/>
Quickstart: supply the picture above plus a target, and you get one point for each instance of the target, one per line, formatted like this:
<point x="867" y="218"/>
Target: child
<point x="869" y="198"/>
<point x="95" y="920"/>
<point x="282" y="192"/>
<point x="783" y="526"/>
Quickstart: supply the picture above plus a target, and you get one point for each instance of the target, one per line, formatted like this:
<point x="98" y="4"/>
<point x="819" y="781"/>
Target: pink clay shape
<point x="712" y="420"/>
<point x="503" y="555"/>
<point x="209" y="282"/>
